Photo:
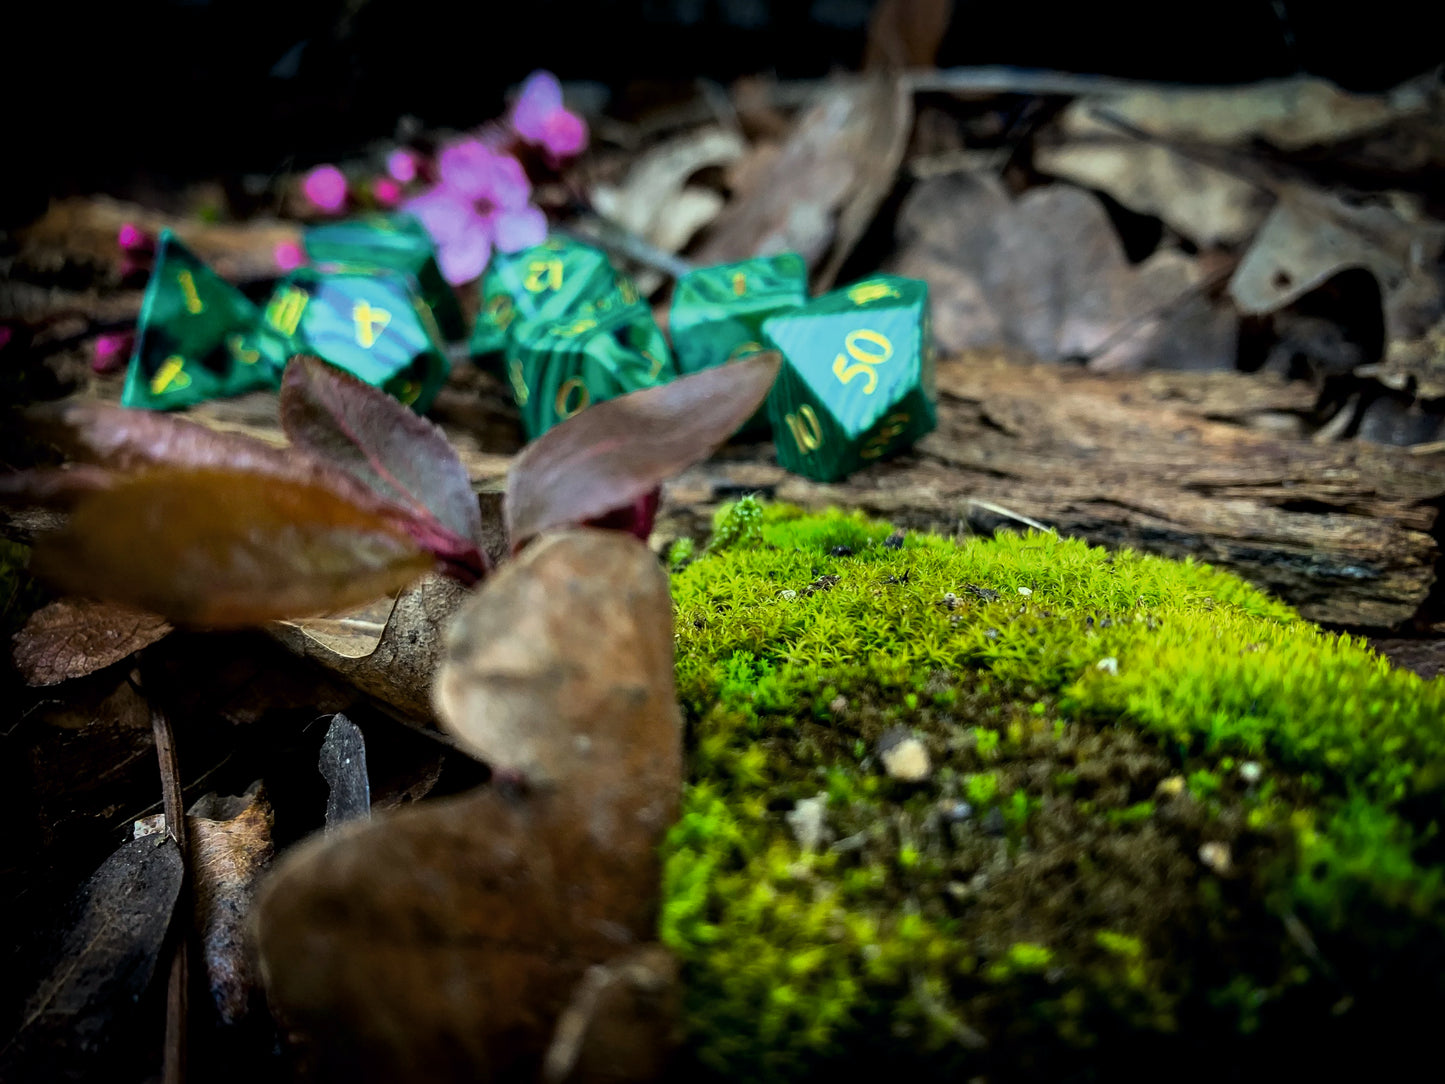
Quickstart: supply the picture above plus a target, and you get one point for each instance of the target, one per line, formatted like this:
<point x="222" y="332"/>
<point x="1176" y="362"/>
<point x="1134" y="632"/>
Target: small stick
<point x="178" y="983"/>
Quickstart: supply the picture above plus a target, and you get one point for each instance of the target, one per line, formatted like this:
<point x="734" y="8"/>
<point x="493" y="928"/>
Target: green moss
<point x="1069" y="916"/>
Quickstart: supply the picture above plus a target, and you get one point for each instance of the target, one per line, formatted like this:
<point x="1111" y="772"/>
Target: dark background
<point x="177" y="89"/>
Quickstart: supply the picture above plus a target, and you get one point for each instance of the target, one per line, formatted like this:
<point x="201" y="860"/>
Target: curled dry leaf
<point x="391" y="449"/>
<point x="616" y="453"/>
<point x="103" y="961"/>
<point x="72" y="637"/>
<point x="226" y="548"/>
<point x="230" y="844"/>
<point x="446" y="942"/>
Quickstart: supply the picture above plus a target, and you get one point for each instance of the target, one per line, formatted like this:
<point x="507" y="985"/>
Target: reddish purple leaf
<point x="615" y="453"/>
<point x="388" y="447"/>
<point x="228" y="548"/>
<point x="72" y="637"/>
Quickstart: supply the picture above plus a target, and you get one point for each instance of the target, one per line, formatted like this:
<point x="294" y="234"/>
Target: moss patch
<point x="1163" y="814"/>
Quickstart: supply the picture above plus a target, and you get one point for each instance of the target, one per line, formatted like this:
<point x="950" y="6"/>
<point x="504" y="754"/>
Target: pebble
<point x="904" y="756"/>
<point x="1172" y="787"/>
<point x="1109" y="664"/>
<point x="1251" y="772"/>
<point x="993" y="822"/>
<point x="807" y="820"/>
<point x="838" y="705"/>
<point x="1216" y="856"/>
<point x="1025" y="592"/>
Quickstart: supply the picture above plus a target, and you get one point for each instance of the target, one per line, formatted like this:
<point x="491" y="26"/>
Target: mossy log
<point x="1162" y="826"/>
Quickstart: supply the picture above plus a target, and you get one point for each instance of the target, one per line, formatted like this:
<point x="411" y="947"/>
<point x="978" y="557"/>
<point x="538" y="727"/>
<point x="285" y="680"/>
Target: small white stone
<point x="789" y="594"/>
<point x="1251" y="772"/>
<point x="153" y="825"/>
<point x="1216" y="856"/>
<point x="1108" y="664"/>
<point x="838" y="705"/>
<point x="807" y="820"/>
<point x="908" y="761"/>
<point x="1025" y="592"/>
<point x="1171" y="787"/>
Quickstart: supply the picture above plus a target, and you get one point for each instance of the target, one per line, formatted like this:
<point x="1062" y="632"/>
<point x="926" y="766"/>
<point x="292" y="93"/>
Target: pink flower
<point x="401" y="164"/>
<point x="112" y="351"/>
<point x="386" y="192"/>
<point x="539" y="117"/>
<point x="132" y="238"/>
<point x="325" y="187"/>
<point x="479" y="202"/>
<point x="289" y="255"/>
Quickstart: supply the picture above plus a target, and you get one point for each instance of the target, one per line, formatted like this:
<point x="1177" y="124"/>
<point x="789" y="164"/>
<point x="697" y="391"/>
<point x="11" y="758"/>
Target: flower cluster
<point x="476" y="195"/>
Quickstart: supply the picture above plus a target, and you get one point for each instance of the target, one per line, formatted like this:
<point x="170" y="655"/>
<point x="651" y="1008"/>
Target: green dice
<point x="370" y="323"/>
<point x="542" y="283"/>
<point x="395" y="242"/>
<point x="857" y="377"/>
<point x="598" y="350"/>
<point x="198" y="338"/>
<point x="718" y="312"/>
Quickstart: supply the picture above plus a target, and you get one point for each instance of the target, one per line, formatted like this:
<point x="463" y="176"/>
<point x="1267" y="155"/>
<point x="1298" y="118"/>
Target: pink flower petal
<point x="445" y="214"/>
<point x="386" y="192"/>
<point x="519" y="228"/>
<point x="325" y="187"/>
<point x="132" y="237"/>
<point x="467" y="167"/>
<point x="464" y="257"/>
<point x="112" y="351"/>
<point x="289" y="255"/>
<point x="564" y="134"/>
<point x="508" y="186"/>
<point x="401" y="164"/>
<point x="541" y="96"/>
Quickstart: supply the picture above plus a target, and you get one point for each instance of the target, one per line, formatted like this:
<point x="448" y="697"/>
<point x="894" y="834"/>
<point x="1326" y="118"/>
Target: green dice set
<point x="370" y="323"/>
<point x="718" y="312"/>
<point x="857" y="377"/>
<point x="598" y="350"/>
<point x="546" y="282"/>
<point x="198" y="337"/>
<point x="394" y="242"/>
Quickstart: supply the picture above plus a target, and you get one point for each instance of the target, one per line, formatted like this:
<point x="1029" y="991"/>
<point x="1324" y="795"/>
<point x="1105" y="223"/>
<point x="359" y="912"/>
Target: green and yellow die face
<point x="857" y="377"/>
<point x="718" y="312"/>
<point x="198" y="337"/>
<point x="396" y="242"/>
<point x="542" y="283"/>
<point x="599" y="351"/>
<point x="372" y="324"/>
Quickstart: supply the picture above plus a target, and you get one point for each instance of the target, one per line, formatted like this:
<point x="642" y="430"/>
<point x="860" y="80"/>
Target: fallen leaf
<point x="1290" y="114"/>
<point x="905" y="34"/>
<point x="1046" y="274"/>
<point x="1311" y="236"/>
<point x="343" y="765"/>
<point x="107" y="947"/>
<point x="447" y="941"/>
<point x="396" y="452"/>
<point x="826" y="176"/>
<point x="353" y="633"/>
<point x="643" y="202"/>
<point x="72" y="637"/>
<point x="399" y="672"/>
<point x="617" y="452"/>
<point x="230" y="844"/>
<point x="226" y="548"/>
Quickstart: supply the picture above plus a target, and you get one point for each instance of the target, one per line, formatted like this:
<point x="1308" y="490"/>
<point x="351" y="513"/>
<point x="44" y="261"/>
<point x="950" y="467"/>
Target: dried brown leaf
<point x="72" y="637"/>
<point x="615" y="453"/>
<point x="230" y="844"/>
<point x="446" y="941"/>
<point x="227" y="548"/>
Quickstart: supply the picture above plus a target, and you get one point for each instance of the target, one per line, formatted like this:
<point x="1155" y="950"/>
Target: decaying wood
<point x="1179" y="464"/>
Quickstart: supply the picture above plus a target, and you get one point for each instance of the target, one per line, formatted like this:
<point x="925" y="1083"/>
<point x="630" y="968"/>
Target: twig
<point x="623" y="242"/>
<point x="178" y="983"/>
<point x="1000" y="510"/>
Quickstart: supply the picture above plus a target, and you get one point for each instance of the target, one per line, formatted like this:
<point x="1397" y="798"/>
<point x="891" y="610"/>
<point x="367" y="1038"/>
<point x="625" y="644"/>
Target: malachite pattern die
<point x="857" y="377"/>
<point x="542" y="283"/>
<point x="597" y="351"/>
<point x="718" y="312"/>
<point x="370" y="323"/>
<point x="198" y="337"/>
<point x="395" y="242"/>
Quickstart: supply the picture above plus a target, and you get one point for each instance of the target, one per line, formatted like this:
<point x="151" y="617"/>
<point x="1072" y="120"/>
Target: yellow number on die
<point x="878" y="350"/>
<point x="806" y="429"/>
